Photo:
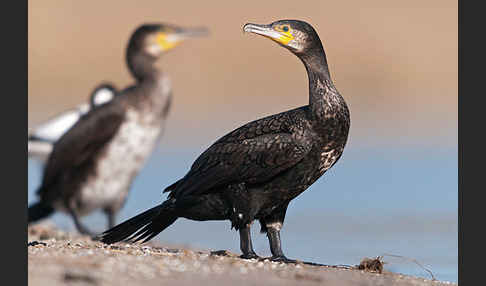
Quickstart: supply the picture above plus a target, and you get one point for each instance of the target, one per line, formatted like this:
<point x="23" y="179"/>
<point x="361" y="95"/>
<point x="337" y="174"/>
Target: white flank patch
<point x="275" y="225"/>
<point x="327" y="159"/>
<point x="103" y="96"/>
<point x="53" y="129"/>
<point x="39" y="149"/>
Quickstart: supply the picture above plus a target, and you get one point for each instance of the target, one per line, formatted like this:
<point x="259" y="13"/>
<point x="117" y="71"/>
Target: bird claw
<point x="251" y="255"/>
<point x="282" y="259"/>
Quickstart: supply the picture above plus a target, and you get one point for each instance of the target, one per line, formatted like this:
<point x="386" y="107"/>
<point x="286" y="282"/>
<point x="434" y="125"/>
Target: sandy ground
<point x="59" y="258"/>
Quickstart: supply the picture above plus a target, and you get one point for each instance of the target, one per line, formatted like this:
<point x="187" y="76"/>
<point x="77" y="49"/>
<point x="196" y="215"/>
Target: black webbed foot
<point x="96" y="237"/>
<point x="282" y="259"/>
<point x="251" y="255"/>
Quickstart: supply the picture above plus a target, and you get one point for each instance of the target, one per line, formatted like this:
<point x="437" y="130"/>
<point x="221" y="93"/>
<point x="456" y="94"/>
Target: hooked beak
<point x="269" y="32"/>
<point x="186" y="33"/>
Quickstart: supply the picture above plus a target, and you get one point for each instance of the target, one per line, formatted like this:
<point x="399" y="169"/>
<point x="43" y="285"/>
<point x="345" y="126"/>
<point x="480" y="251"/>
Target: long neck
<point x="141" y="65"/>
<point x="321" y="88"/>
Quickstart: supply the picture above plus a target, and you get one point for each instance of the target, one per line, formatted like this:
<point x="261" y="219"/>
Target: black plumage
<point x="254" y="172"/>
<point x="93" y="165"/>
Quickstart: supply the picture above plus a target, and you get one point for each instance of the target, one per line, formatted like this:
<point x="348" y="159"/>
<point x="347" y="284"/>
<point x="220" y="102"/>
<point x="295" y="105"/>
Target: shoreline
<point x="56" y="257"/>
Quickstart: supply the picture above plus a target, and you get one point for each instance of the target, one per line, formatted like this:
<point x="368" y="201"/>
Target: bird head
<point x="297" y="36"/>
<point x="156" y="39"/>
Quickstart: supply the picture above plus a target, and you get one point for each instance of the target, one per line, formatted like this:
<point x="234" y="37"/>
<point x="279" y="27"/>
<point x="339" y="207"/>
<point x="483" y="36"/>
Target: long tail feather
<point x="145" y="225"/>
<point x="38" y="211"/>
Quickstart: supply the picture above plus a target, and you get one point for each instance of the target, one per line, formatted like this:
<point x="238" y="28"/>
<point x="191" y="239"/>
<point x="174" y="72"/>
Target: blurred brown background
<point x="395" y="63"/>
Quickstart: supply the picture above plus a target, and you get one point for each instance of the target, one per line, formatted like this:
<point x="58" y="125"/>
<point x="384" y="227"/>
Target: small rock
<point x="371" y="264"/>
<point x="222" y="253"/>
<point x="79" y="277"/>
<point x="34" y="243"/>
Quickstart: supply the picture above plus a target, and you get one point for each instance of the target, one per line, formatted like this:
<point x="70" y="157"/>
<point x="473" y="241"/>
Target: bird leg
<point x="79" y="226"/>
<point x="272" y="224"/>
<point x="239" y="200"/>
<point x="110" y="214"/>
<point x="245" y="243"/>
<point x="273" y="234"/>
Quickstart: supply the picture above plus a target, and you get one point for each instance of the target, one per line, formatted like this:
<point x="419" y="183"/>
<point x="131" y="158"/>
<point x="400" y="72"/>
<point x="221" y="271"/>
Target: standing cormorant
<point x="256" y="170"/>
<point x="93" y="164"/>
<point x="42" y="138"/>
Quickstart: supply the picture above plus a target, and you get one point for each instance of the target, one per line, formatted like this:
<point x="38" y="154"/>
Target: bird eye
<point x="285" y="28"/>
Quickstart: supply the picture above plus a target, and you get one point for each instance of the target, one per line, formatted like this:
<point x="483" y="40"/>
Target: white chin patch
<point x="102" y="96"/>
<point x="154" y="50"/>
<point x="295" y="45"/>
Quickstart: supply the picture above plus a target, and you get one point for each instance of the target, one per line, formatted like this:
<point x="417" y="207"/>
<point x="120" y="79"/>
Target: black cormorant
<point x="42" y="138"/>
<point x="93" y="164"/>
<point x="256" y="170"/>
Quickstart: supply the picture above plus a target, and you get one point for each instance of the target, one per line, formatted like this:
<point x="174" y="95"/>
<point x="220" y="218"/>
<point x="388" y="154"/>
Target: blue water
<point x="400" y="201"/>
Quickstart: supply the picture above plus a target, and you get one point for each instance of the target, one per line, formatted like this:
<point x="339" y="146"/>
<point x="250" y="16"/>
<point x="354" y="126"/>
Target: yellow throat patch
<point x="165" y="42"/>
<point x="285" y="34"/>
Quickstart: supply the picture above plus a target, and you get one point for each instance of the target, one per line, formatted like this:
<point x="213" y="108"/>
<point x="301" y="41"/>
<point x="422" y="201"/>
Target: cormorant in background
<point x="93" y="165"/>
<point x="42" y="138"/>
<point x="256" y="170"/>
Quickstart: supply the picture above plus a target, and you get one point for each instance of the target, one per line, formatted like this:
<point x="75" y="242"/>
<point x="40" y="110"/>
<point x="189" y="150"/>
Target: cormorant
<point x="42" y="138"/>
<point x="254" y="172"/>
<point x="93" y="164"/>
